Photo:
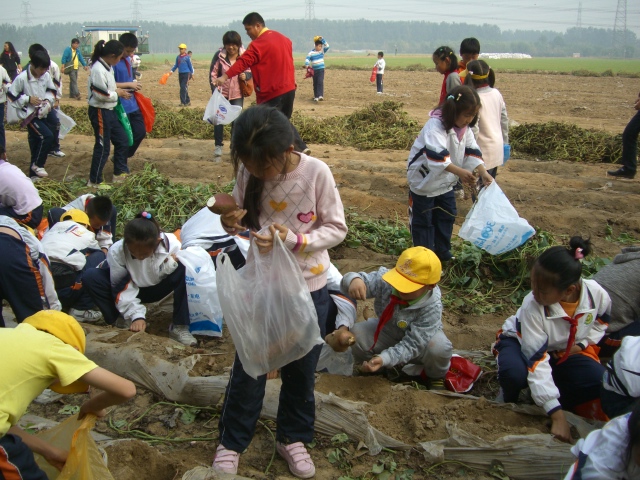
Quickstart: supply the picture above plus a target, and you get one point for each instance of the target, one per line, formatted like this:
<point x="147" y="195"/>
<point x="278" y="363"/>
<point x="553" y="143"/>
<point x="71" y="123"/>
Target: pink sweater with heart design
<point x="307" y="202"/>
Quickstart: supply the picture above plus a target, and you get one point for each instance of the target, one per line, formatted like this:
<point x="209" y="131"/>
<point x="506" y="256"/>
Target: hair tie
<point x="478" y="77"/>
<point x="578" y="255"/>
<point x="450" y="97"/>
<point x="146" y="215"/>
<point x="459" y="95"/>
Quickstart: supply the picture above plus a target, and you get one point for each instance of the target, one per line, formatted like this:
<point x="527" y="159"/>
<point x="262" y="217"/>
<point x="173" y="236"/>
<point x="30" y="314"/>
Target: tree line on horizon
<point x="403" y="37"/>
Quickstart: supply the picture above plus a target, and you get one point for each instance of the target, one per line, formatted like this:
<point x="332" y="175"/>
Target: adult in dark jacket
<point x="10" y="60"/>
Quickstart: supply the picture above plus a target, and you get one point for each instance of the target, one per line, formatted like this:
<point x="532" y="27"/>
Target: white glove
<point x="44" y="110"/>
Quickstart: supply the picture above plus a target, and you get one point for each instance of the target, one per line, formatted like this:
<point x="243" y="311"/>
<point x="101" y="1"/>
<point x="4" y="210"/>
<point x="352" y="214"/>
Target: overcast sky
<point x="507" y="14"/>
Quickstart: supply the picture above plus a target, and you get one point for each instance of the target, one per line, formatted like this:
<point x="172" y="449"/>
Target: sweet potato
<point x="221" y="203"/>
<point x="340" y="340"/>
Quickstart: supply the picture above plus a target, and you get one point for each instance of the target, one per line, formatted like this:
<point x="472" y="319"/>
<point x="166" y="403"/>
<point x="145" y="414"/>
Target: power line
<point x="620" y="29"/>
<point x="579" y="22"/>
<point x="26" y="14"/>
<point x="136" y="11"/>
<point x="309" y="12"/>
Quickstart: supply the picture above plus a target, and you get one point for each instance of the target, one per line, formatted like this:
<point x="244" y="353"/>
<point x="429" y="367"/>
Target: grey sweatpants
<point x="436" y="359"/>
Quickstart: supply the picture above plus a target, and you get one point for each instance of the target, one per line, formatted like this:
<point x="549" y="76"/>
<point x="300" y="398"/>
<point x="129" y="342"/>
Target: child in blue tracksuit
<point x="444" y="152"/>
<point x="185" y="73"/>
<point x="125" y="78"/>
<point x="141" y="268"/>
<point x="32" y="96"/>
<point x="315" y="59"/>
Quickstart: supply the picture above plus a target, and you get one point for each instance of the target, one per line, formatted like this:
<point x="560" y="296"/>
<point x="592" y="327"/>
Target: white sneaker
<point x="217" y="152"/>
<point x="120" y="178"/>
<point x="101" y="186"/>
<point x="315" y="99"/>
<point x="39" y="171"/>
<point x="321" y="99"/>
<point x="57" y="153"/>
<point x="180" y="333"/>
<point x="88" y="316"/>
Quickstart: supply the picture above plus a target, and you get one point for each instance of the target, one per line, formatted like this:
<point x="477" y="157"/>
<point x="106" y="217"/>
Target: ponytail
<point x="143" y="229"/>
<point x="442" y="53"/>
<point x="564" y="264"/>
<point x="462" y="99"/>
<point x="102" y="49"/>
<point x="479" y="73"/>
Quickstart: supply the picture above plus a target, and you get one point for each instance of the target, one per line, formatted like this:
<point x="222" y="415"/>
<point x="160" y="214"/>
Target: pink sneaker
<point x="226" y="461"/>
<point x="300" y="463"/>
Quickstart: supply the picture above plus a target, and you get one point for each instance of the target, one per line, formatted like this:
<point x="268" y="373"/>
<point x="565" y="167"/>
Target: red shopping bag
<point x="462" y="375"/>
<point x="147" y="111"/>
<point x="164" y="78"/>
<point x="374" y="72"/>
<point x="309" y="73"/>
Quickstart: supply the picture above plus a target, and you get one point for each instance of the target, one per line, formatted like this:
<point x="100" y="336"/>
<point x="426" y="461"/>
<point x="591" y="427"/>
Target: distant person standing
<point x="380" y="64"/>
<point x="469" y="51"/>
<point x="270" y="58"/>
<point x="185" y="73"/>
<point x="315" y="59"/>
<point x="10" y="60"/>
<point x="72" y="54"/>
<point x="629" y="147"/>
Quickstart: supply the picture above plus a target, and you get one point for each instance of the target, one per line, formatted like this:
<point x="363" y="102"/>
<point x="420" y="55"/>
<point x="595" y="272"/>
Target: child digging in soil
<point x="47" y="351"/>
<point x="550" y="343"/>
<point x="408" y="329"/>
<point x="141" y="268"/>
<point x="444" y="152"/>
<point x="296" y="196"/>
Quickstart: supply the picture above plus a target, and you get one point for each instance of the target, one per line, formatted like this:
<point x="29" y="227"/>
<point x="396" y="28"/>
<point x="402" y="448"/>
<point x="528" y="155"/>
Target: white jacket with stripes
<point x="541" y="329"/>
<point x="102" y="86"/>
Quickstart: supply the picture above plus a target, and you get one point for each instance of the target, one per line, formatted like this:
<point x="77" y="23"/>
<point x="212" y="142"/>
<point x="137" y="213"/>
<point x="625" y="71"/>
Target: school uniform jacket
<point x="56" y="77"/>
<point x="102" y="86"/>
<point x="413" y="325"/>
<point x="346" y="307"/>
<point x="69" y="242"/>
<point x="541" y="329"/>
<point x="103" y="236"/>
<point x="433" y="151"/>
<point x="26" y="85"/>
<point x="623" y="372"/>
<point x="5" y="80"/>
<point x="141" y="273"/>
<point x="204" y="229"/>
<point x="602" y="455"/>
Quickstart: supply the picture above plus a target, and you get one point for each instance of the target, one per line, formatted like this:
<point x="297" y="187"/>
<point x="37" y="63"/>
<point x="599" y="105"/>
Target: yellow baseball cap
<point x="77" y="216"/>
<point x="65" y="328"/>
<point x="182" y="45"/>
<point x="416" y="267"/>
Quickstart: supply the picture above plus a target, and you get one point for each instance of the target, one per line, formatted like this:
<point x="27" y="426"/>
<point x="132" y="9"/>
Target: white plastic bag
<point x="268" y="309"/>
<point x="205" y="314"/>
<point x="219" y="111"/>
<point x="337" y="363"/>
<point x="66" y="123"/>
<point x="493" y="224"/>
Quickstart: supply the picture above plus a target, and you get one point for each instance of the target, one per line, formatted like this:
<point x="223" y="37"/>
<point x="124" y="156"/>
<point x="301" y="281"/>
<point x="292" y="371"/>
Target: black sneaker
<point x="622" y="173"/>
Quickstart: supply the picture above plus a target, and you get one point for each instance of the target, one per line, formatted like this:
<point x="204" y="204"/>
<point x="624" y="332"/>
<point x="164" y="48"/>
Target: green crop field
<point x="424" y="62"/>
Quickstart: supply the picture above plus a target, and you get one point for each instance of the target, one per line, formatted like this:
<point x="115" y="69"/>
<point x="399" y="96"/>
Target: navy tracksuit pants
<point x="296" y="410"/>
<point x="42" y="134"/>
<point x="20" y="279"/>
<point x="578" y="378"/>
<point x="31" y="219"/>
<point x="107" y="129"/>
<point x="431" y="222"/>
<point x="97" y="282"/>
<point x="75" y="296"/>
<point x="17" y="461"/>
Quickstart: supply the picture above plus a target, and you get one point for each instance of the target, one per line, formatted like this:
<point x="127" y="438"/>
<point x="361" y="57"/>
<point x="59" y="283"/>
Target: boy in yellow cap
<point x="408" y="324"/>
<point x="185" y="73"/>
<point x="46" y="351"/>
<point x="72" y="248"/>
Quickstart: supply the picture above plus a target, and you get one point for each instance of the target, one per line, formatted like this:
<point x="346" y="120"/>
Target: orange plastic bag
<point x="147" y="111"/>
<point x="374" y="72"/>
<point x="164" y="78"/>
<point x="85" y="462"/>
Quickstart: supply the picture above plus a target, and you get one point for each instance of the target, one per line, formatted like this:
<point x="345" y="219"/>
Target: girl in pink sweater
<point x="492" y="132"/>
<point x="297" y="198"/>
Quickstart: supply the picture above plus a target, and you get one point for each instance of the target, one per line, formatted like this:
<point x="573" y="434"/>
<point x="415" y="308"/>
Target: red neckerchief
<point x="386" y="316"/>
<point x="573" y="321"/>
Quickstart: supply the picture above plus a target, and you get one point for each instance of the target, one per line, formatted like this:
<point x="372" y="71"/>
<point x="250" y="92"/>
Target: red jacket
<point x="270" y="58"/>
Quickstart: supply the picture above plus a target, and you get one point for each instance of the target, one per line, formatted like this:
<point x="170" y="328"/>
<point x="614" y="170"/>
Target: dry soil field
<point x="559" y="197"/>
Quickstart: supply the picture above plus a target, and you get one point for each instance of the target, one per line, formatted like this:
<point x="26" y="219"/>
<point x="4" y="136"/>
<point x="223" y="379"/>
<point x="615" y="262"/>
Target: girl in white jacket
<point x="550" y="343"/>
<point x="492" y="133"/>
<point x="141" y="268"/>
<point x="444" y="152"/>
<point x="103" y="97"/>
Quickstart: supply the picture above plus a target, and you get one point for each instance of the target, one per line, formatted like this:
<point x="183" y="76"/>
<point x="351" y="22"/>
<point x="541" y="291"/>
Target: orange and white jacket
<point x="102" y="86"/>
<point x="541" y="330"/>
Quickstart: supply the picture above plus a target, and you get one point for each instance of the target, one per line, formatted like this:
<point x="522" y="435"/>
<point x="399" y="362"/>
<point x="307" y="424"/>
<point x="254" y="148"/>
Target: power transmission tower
<point x="579" y="22"/>
<point x="136" y="11"/>
<point x="620" y="30"/>
<point x="309" y="12"/>
<point x="26" y="14"/>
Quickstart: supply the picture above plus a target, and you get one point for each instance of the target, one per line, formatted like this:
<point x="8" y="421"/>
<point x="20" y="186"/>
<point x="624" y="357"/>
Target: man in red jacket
<point x="270" y="58"/>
